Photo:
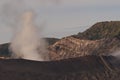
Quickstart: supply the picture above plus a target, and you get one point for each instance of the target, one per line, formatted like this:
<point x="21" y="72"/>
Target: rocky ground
<point x="82" y="68"/>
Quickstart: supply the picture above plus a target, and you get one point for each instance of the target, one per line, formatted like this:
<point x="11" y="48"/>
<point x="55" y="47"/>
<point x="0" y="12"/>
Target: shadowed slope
<point x="84" y="68"/>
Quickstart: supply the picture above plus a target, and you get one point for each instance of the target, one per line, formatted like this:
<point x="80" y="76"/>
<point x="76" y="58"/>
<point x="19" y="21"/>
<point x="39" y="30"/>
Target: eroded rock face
<point x="70" y="47"/>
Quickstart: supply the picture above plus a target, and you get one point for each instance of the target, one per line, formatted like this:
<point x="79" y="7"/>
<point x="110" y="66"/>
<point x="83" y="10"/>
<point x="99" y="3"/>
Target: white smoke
<point x="116" y="53"/>
<point x="27" y="42"/>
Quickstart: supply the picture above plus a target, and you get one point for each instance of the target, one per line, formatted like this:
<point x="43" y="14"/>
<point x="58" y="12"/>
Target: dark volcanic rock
<point x="4" y="50"/>
<point x="83" y="68"/>
<point x="51" y="41"/>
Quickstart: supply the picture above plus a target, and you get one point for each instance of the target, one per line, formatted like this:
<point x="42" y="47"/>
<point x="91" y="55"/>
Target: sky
<point x="58" y="18"/>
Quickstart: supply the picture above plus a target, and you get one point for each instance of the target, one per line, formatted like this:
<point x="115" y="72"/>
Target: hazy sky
<point x="59" y="17"/>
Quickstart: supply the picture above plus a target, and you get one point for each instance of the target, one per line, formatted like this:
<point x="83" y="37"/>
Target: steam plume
<point x="116" y="53"/>
<point x="27" y="43"/>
